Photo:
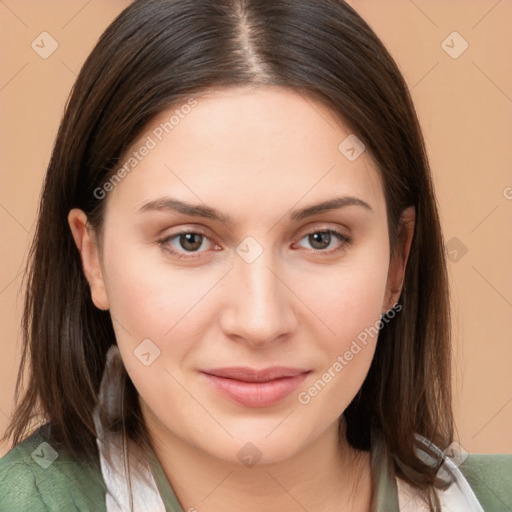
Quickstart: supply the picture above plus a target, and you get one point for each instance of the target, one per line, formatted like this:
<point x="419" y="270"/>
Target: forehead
<point x="268" y="147"/>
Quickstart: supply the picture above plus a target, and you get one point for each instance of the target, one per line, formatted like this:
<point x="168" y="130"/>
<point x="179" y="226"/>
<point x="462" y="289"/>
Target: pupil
<point x="188" y="238"/>
<point x="317" y="236"/>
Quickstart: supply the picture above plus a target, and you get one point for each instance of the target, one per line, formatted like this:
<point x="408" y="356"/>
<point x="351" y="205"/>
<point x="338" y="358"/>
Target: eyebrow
<point x="206" y="212"/>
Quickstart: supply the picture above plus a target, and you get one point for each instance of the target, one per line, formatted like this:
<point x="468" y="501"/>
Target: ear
<point x="398" y="260"/>
<point x="85" y="241"/>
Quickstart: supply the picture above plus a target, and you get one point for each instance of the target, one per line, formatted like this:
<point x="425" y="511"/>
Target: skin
<point x="254" y="154"/>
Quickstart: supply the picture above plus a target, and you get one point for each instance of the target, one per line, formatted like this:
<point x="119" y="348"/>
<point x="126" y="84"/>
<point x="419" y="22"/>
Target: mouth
<point x="255" y="388"/>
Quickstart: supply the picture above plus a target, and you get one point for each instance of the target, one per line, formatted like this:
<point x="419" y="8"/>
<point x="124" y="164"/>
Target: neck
<point x="328" y="475"/>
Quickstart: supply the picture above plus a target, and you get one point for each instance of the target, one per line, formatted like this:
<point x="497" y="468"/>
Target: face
<point x="242" y="318"/>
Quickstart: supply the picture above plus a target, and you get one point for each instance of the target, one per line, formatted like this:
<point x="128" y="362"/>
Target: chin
<point x="261" y="442"/>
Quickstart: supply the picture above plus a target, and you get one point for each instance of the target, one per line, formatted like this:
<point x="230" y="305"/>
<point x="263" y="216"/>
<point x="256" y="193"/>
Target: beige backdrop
<point x="464" y="100"/>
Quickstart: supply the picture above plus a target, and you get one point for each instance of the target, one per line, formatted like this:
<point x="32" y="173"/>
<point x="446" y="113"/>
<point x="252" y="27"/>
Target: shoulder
<point x="36" y="476"/>
<point x="490" y="478"/>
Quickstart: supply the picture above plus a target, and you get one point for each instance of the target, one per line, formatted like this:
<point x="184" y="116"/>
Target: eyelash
<point x="344" y="239"/>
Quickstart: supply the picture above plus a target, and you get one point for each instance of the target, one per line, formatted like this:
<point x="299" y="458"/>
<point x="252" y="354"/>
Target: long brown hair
<point x="158" y="53"/>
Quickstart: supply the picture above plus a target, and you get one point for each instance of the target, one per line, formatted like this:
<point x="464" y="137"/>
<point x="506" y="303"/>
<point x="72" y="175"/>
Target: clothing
<point x="69" y="485"/>
<point x="41" y="476"/>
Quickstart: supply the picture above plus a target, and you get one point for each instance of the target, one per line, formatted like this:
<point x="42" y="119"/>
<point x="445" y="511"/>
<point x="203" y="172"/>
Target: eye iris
<point x="188" y="238"/>
<point x="315" y="237"/>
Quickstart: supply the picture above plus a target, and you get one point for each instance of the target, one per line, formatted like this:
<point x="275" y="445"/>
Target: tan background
<point x="465" y="108"/>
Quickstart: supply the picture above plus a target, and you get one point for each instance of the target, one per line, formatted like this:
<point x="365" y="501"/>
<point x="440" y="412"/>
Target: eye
<point x="320" y="240"/>
<point x="185" y="244"/>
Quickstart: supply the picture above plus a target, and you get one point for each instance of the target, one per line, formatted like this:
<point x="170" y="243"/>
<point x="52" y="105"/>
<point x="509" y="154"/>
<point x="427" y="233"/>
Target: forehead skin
<point x="254" y="153"/>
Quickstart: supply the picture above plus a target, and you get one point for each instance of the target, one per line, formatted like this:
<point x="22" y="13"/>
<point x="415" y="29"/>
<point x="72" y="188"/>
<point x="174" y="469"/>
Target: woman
<point x="237" y="290"/>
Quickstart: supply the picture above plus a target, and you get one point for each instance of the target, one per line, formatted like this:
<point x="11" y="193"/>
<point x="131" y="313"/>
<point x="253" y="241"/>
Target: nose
<point x="258" y="307"/>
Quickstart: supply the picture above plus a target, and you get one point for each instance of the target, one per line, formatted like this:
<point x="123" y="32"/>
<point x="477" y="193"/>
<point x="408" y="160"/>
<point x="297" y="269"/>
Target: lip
<point x="256" y="388"/>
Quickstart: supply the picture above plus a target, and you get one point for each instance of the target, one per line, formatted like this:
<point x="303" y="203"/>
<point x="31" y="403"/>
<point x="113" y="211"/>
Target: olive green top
<point x="36" y="477"/>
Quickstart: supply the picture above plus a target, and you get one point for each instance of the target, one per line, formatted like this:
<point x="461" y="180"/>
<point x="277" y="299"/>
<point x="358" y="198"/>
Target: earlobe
<point x="398" y="262"/>
<point x="85" y="241"/>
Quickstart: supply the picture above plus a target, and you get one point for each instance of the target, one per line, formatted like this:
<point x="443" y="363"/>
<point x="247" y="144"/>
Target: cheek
<point x="148" y="298"/>
<point x="152" y="307"/>
<point x="349" y="308"/>
<point x="349" y="298"/>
